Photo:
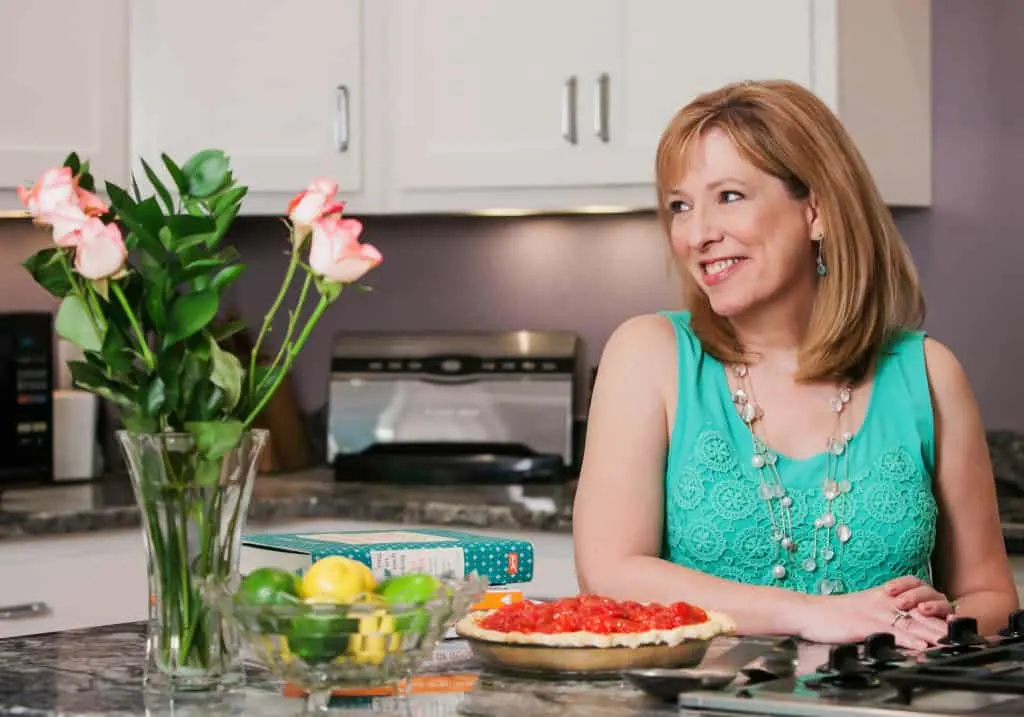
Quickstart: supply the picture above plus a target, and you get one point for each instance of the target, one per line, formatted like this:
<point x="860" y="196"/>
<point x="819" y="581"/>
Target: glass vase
<point x="193" y="513"/>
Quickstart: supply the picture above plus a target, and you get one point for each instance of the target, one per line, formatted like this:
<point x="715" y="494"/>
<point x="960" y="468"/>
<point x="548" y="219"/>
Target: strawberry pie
<point x="594" y="621"/>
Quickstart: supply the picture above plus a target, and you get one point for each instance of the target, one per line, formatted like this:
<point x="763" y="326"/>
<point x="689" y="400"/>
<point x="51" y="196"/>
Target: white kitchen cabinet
<point x="64" y="87"/>
<point x="482" y="117"/>
<point x="85" y="580"/>
<point x="278" y="86"/>
<point x="490" y="99"/>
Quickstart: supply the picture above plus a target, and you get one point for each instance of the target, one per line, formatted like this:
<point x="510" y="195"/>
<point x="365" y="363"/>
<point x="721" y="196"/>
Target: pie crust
<point x="716" y="624"/>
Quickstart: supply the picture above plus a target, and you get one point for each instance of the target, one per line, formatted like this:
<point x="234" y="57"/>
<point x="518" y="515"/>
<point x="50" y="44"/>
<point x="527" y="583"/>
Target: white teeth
<point x="720" y="265"/>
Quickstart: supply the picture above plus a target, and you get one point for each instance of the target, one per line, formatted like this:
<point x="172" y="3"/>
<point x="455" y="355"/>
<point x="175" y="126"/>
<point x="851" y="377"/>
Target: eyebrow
<point x="676" y="191"/>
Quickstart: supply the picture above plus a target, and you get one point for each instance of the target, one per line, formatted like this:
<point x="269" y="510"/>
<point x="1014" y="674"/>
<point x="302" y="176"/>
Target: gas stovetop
<point x="965" y="675"/>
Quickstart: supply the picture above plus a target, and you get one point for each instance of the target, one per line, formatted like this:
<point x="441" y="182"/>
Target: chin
<point x="728" y="307"/>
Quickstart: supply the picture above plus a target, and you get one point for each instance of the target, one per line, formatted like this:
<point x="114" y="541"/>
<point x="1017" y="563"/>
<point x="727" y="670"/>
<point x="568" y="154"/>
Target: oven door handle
<point x="18" y="612"/>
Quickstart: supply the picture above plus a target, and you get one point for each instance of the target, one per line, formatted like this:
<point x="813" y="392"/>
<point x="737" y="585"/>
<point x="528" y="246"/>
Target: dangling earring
<point x="819" y="260"/>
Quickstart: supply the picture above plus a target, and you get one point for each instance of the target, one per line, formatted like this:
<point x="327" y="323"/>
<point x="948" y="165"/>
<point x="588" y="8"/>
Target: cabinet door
<point x="64" y="88"/>
<point x="669" y="51"/>
<point x="277" y="85"/>
<point x="481" y="91"/>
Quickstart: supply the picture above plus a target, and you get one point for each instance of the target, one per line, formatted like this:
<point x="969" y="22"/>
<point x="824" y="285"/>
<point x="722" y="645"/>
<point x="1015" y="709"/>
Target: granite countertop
<point x="109" y="504"/>
<point x="98" y="671"/>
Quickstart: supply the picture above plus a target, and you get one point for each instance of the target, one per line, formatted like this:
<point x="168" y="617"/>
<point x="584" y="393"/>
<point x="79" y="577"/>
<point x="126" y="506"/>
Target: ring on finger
<point x="900" y="614"/>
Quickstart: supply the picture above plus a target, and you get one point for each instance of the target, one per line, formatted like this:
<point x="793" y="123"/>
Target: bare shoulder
<point x="946" y="376"/>
<point x="644" y="341"/>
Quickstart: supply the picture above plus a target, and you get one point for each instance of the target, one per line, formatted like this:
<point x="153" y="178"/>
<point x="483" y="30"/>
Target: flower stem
<point x="268" y="318"/>
<point x="140" y="337"/>
<point x="293" y="320"/>
<point x="291" y="352"/>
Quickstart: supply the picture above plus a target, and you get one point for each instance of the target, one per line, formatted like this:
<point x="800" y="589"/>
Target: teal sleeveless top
<point x="720" y="520"/>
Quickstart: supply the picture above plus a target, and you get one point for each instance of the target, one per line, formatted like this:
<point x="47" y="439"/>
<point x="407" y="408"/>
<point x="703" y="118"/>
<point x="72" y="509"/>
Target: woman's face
<point x="744" y="239"/>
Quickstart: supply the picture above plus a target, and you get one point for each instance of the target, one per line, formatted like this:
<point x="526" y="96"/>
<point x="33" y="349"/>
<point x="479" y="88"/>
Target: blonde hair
<point x="872" y="289"/>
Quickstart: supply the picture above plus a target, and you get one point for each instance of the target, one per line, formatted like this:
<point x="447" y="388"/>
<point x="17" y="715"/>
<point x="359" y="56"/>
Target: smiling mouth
<point x="719" y="266"/>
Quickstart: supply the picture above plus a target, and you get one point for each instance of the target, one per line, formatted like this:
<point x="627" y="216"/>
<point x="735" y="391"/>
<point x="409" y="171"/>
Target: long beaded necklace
<point x="830" y="530"/>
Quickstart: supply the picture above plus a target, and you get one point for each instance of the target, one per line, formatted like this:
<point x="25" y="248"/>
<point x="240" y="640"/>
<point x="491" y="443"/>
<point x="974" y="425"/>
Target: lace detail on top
<point x="719" y="525"/>
<point x="717" y="522"/>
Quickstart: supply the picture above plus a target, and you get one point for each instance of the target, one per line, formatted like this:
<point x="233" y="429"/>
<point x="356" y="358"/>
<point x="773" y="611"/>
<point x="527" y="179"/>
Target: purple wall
<point x="589" y="273"/>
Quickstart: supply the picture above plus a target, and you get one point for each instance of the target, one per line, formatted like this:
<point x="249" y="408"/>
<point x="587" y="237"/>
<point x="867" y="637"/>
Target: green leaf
<point x="190" y="313"/>
<point x="180" y="181"/>
<point x="116" y="351"/>
<point x="185" y="226"/>
<point x="158" y="186"/>
<point x="49" y="272"/>
<point x="89" y="378"/>
<point x="227" y="276"/>
<point x="102" y="287"/>
<point x="229" y="329"/>
<point x="139" y="423"/>
<point x="227" y="374"/>
<point x="135" y="189"/>
<point x="206" y="172"/>
<point x="215" y="438"/>
<point x="154" y="398"/>
<point x="75" y="324"/>
<point x="140" y="219"/>
<point x="73" y="161"/>
<point x="229" y="198"/>
<point x="224" y="221"/>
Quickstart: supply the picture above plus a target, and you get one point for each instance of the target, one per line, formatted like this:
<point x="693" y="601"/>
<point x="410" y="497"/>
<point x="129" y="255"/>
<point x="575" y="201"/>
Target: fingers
<point x="901" y="584"/>
<point x="940" y="608"/>
<point x="931" y="629"/>
<point x="916" y="595"/>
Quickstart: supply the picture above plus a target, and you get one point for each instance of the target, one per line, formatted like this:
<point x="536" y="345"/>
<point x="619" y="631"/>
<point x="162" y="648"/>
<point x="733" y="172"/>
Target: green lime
<point x="263" y="589"/>
<point x="414" y="622"/>
<point x="317" y="638"/>
<point x="409" y="589"/>
<point x="269" y="586"/>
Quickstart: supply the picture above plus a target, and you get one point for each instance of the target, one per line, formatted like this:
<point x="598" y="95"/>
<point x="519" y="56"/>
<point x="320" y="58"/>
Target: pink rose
<point x="100" y="251"/>
<point x="90" y="203"/>
<point x="314" y="202"/>
<point x="336" y="253"/>
<point x="67" y="220"/>
<point x="54" y="188"/>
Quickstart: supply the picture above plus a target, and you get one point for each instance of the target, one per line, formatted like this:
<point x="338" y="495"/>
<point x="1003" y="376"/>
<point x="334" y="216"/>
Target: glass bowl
<point x="320" y="647"/>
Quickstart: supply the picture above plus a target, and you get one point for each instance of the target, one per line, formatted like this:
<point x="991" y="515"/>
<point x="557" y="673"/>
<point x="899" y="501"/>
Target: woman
<point x="791" y="450"/>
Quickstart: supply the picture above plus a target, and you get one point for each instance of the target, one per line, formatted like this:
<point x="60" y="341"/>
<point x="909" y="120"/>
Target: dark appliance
<point x="26" y="397"/>
<point x="453" y="407"/>
<point x="965" y="675"/>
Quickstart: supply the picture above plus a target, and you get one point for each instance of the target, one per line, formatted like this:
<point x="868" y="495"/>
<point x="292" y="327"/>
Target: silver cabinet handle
<point x="341" y="119"/>
<point x="569" y="110"/>
<point x="601" y="108"/>
<point x="17" y="612"/>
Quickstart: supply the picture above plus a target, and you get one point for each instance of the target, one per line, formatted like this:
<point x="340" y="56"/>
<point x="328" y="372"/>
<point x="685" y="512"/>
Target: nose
<point x="696" y="229"/>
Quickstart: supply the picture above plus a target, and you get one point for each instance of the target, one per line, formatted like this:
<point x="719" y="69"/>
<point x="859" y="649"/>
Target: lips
<point x="718" y="270"/>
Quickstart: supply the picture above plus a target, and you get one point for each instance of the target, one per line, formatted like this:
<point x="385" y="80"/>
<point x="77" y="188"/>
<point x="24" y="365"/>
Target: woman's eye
<point x="677" y="206"/>
<point x="730" y="196"/>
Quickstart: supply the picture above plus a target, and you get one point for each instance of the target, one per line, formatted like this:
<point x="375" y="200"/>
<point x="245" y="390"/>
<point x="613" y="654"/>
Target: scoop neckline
<point x="738" y="422"/>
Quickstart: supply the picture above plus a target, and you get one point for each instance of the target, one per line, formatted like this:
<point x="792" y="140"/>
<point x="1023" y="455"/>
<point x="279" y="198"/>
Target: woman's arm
<point x="970" y="557"/>
<point x="619" y="506"/>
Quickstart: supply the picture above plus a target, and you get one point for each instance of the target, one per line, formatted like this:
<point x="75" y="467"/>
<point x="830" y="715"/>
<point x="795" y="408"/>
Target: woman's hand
<point x="914" y="594"/>
<point x="852" y="617"/>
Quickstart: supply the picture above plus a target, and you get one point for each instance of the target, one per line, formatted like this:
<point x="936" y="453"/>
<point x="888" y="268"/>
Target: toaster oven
<point x="453" y="407"/>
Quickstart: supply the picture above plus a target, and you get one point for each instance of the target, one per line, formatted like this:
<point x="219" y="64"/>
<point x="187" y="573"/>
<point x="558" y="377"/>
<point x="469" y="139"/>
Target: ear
<point x="815" y="224"/>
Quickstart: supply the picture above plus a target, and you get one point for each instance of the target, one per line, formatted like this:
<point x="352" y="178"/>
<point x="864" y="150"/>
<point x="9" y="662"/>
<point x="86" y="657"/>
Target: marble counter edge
<point x="266" y="512"/>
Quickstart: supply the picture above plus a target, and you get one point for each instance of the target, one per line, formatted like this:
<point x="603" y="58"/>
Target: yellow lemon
<point x="336" y="579"/>
<point x="376" y="638"/>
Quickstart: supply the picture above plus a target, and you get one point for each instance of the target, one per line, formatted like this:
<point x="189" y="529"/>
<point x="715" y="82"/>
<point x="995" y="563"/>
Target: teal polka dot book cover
<point x="501" y="560"/>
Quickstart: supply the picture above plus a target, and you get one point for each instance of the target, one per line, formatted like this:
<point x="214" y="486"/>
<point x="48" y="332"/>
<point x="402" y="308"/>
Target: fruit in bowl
<point x="338" y="625"/>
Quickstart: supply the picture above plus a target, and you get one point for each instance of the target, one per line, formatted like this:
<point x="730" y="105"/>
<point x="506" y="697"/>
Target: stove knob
<point x="881" y="647"/>
<point x="1014" y="626"/>
<point x="843" y="659"/>
<point x="962" y="631"/>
